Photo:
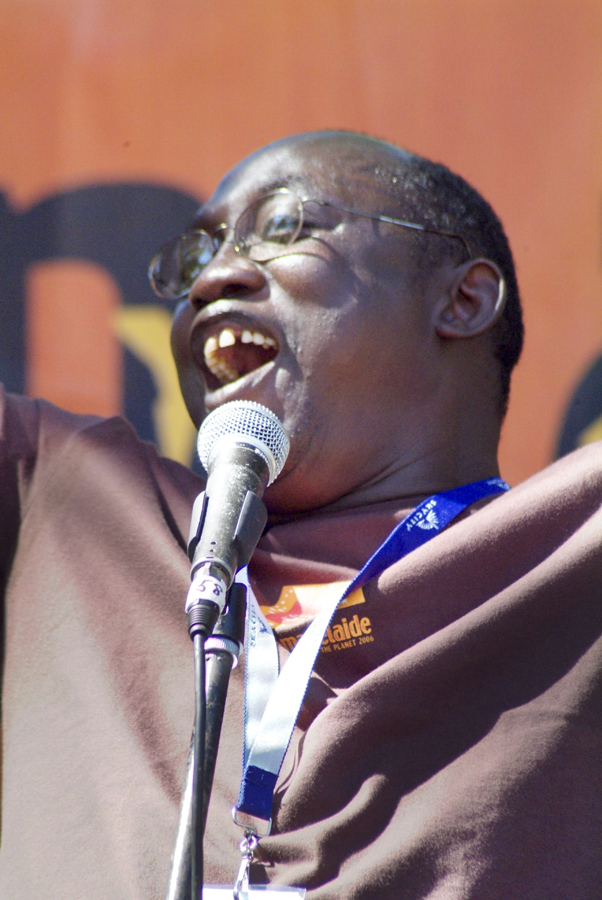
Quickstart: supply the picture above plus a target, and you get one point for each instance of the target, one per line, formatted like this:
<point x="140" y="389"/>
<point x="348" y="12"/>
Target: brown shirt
<point x="456" y="754"/>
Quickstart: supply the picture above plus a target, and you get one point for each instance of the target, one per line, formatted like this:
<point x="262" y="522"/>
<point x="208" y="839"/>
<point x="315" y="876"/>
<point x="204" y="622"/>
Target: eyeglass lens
<point x="179" y="263"/>
<point x="264" y="231"/>
<point x="267" y="227"/>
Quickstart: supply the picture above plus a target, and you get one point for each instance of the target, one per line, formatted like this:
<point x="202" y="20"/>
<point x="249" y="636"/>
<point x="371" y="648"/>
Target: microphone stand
<point x="243" y="447"/>
<point x="222" y="651"/>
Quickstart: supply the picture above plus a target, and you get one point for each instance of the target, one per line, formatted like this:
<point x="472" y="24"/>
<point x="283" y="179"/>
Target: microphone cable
<point x="198" y="773"/>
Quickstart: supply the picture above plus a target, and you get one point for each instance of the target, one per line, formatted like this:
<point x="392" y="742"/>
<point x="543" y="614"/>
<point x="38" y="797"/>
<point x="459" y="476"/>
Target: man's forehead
<point x="337" y="168"/>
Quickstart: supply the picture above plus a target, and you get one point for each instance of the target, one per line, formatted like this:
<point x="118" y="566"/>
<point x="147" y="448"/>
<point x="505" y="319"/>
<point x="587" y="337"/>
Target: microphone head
<point x="243" y="421"/>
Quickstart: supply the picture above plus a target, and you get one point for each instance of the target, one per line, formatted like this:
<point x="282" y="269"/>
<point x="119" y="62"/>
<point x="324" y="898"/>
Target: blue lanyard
<point x="273" y="701"/>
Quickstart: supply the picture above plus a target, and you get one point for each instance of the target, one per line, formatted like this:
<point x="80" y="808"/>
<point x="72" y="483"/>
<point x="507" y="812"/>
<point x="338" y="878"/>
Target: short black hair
<point x="433" y="195"/>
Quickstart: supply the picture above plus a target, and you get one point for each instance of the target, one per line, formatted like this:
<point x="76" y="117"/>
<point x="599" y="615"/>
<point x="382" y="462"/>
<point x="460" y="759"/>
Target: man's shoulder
<point x="48" y="437"/>
<point x="26" y="424"/>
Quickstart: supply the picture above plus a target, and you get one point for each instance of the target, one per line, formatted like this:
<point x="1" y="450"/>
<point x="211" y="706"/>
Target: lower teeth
<point x="221" y="369"/>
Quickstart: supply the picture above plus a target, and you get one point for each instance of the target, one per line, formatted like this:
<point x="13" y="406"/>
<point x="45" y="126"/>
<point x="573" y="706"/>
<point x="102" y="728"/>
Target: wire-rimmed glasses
<point x="270" y="227"/>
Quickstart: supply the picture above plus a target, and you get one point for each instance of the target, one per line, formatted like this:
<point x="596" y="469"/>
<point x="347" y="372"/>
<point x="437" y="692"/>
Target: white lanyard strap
<point x="262" y="666"/>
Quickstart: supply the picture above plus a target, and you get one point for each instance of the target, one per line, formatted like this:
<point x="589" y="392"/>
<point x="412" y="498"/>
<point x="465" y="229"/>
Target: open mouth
<point x="233" y="351"/>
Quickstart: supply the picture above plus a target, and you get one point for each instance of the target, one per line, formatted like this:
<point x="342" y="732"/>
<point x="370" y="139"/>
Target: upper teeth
<point x="227" y="338"/>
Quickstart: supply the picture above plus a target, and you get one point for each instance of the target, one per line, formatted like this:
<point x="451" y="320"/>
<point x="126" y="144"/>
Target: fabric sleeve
<point x="19" y="421"/>
<point x="32" y="435"/>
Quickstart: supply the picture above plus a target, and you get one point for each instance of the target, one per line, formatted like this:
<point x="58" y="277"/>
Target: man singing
<point x="449" y="742"/>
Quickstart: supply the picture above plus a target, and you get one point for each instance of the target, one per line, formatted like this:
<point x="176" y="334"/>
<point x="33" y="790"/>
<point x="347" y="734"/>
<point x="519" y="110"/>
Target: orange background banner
<point x="506" y="92"/>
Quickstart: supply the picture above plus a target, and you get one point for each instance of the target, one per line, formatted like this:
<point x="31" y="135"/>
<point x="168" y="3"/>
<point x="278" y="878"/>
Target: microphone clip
<point x="206" y="599"/>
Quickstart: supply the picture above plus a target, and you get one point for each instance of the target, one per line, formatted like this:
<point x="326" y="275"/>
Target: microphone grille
<point x="245" y="421"/>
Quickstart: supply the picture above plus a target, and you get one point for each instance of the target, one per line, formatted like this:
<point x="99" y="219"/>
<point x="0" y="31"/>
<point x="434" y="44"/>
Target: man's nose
<point x="228" y="275"/>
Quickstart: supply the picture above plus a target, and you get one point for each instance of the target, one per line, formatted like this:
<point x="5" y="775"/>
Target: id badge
<point x="260" y="891"/>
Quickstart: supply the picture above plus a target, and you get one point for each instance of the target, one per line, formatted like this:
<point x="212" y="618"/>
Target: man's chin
<point x="294" y="494"/>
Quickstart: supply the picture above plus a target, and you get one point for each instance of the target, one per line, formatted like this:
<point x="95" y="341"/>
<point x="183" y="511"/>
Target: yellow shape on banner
<point x="145" y="330"/>
<point x="592" y="433"/>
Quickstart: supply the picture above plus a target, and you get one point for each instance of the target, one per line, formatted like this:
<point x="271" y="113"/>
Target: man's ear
<point x="475" y="300"/>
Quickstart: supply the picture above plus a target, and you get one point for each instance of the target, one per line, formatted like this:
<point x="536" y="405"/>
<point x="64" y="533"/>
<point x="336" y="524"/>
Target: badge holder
<point x="242" y="889"/>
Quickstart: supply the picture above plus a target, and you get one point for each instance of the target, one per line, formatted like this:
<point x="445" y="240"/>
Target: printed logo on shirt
<point x="299" y="601"/>
<point x="348" y="634"/>
<point x="345" y="635"/>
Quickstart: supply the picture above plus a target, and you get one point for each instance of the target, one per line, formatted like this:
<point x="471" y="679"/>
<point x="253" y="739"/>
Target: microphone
<point x="243" y="447"/>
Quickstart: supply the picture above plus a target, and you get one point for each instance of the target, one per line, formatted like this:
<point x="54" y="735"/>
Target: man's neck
<point x="402" y="488"/>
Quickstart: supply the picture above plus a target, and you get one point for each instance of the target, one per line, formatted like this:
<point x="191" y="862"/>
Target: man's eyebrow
<point x="293" y="182"/>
